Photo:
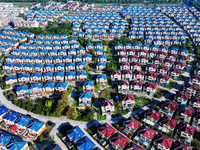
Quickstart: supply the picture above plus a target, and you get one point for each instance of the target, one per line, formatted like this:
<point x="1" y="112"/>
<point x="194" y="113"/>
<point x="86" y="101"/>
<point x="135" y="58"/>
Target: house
<point x="136" y="86"/>
<point x="28" y="67"/>
<point x="143" y="60"/>
<point x="81" y="51"/>
<point x="123" y="59"/>
<point x="67" y="59"/>
<point x="166" y="123"/>
<point x="87" y="58"/>
<point x="77" y="58"/>
<point x="70" y="66"/>
<point x="18" y="67"/>
<point x="149" y="88"/>
<point x="196" y="119"/>
<point x="101" y="79"/>
<point x="151" y="68"/>
<point x="185" y="132"/>
<point x="151" y="77"/>
<point x="101" y="66"/>
<point x="70" y="76"/>
<point x="11" y="79"/>
<point x="179" y="65"/>
<point x="57" y="59"/>
<point x="107" y="107"/>
<point x="59" y="67"/>
<point x="162" y="142"/>
<point x="163" y="80"/>
<point x="116" y="75"/>
<point x="47" y="76"/>
<point x="121" y="52"/>
<point x="80" y="66"/>
<point x="24" y="78"/>
<point x="9" y="118"/>
<point x="123" y="86"/>
<point x="194" y="79"/>
<point x="21" y="124"/>
<point x="36" y="77"/>
<point x="118" y="141"/>
<point x="3" y="112"/>
<point x="62" y="52"/>
<point x="168" y="108"/>
<point x="130" y="126"/>
<point x="194" y="102"/>
<point x="133" y="146"/>
<point x="105" y="131"/>
<point x="133" y="58"/>
<point x="85" y="143"/>
<point x="157" y="61"/>
<point x="38" y="59"/>
<point x="48" y="59"/>
<point x="144" y="136"/>
<point x="35" y="129"/>
<point x="29" y="59"/>
<point x="152" y="116"/>
<point x="162" y="70"/>
<point x="127" y="75"/>
<point x="85" y="99"/>
<point x="130" y="52"/>
<point x="49" y="68"/>
<point x="184" y="114"/>
<point x="61" y="87"/>
<point x="181" y="98"/>
<point x="59" y="76"/>
<point x="125" y="66"/>
<point x="178" y="145"/>
<point x="136" y="66"/>
<point x="174" y="73"/>
<point x="48" y="88"/>
<point x="81" y="75"/>
<point x="102" y="58"/>
<point x="88" y="86"/>
<point x="138" y="75"/>
<point x="127" y="101"/>
<point x="190" y="89"/>
<point x="168" y="63"/>
<point x="75" y="134"/>
<point x="35" y="89"/>
<point x="98" y="52"/>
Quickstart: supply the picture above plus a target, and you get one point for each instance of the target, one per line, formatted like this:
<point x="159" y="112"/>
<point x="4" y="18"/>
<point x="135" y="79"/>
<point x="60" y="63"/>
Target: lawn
<point x="108" y="93"/>
<point x="171" y="84"/>
<point x="101" y="117"/>
<point x="160" y="92"/>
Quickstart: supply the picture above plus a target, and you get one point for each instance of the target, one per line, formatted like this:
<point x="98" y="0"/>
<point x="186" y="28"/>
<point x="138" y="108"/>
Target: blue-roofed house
<point x="35" y="129"/>
<point x="66" y="46"/>
<point x="88" y="86"/>
<point x="118" y="46"/>
<point x="70" y="76"/>
<point x="102" y="58"/>
<point x="22" y="91"/>
<point x="81" y="51"/>
<point x="67" y="59"/>
<point x="85" y="99"/>
<point x="80" y="66"/>
<point x="21" y="124"/>
<point x="183" y="52"/>
<point x="11" y="79"/>
<point x="101" y="79"/>
<point x="18" y="144"/>
<point x="36" y="77"/>
<point x="81" y="75"/>
<point x="89" y="47"/>
<point x="70" y="67"/>
<point x="48" y="59"/>
<point x="72" y="51"/>
<point x="60" y="67"/>
<point x="85" y="144"/>
<point x="24" y="52"/>
<point x="19" y="59"/>
<point x="3" y="112"/>
<point x="24" y="78"/>
<point x="59" y="76"/>
<point x="57" y="46"/>
<point x="75" y="45"/>
<point x="29" y="60"/>
<point x="99" y="46"/>
<point x="61" y="87"/>
<point x="43" y="52"/>
<point x="87" y="58"/>
<point x="62" y="52"/>
<point x="75" y="134"/>
<point x="17" y="67"/>
<point x="52" y="53"/>
<point x="28" y="67"/>
<point x="49" y="68"/>
<point x="57" y="59"/>
<point x="5" y="139"/>
<point x="47" y="76"/>
<point x="48" y="88"/>
<point x="9" y="119"/>
<point x="101" y="66"/>
<point x="38" y="59"/>
<point x="99" y="51"/>
<point x="35" y="89"/>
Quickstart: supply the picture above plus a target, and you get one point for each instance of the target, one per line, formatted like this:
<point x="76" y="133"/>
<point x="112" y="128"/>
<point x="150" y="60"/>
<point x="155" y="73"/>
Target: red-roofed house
<point x="185" y="132"/>
<point x="184" y="113"/>
<point x="163" y="80"/>
<point x="151" y="68"/>
<point x="196" y="119"/>
<point x="194" y="102"/>
<point x="125" y="66"/>
<point x="168" y="108"/>
<point x="136" y="86"/>
<point x="138" y="75"/>
<point x="130" y="126"/>
<point x="163" y="70"/>
<point x="162" y="142"/>
<point x="194" y="80"/>
<point x="130" y="52"/>
<point x="116" y="75"/>
<point x="174" y="73"/>
<point x="121" y="52"/>
<point x="118" y="141"/>
<point x="127" y="75"/>
<point x="107" y="107"/>
<point x="168" y="63"/>
<point x="136" y="66"/>
<point x="133" y="146"/>
<point x="157" y="61"/>
<point x="151" y="77"/>
<point x="190" y="89"/>
<point x="180" y="146"/>
<point x="143" y="60"/>
<point x="133" y="58"/>
<point x="144" y="136"/>
<point x="181" y="97"/>
<point x="123" y="86"/>
<point x="167" y="123"/>
<point x="179" y="65"/>
<point x="149" y="88"/>
<point x="123" y="59"/>
<point x="152" y="115"/>
<point x="128" y="101"/>
<point x="105" y="131"/>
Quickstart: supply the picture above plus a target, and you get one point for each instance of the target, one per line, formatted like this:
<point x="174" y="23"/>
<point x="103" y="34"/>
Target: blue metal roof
<point x="48" y="74"/>
<point x="49" y="85"/>
<point x="35" y="85"/>
<point x="11" y="116"/>
<point x="104" y="76"/>
<point x="75" y="133"/>
<point x="72" y="73"/>
<point x="23" y="87"/>
<point x="23" y="120"/>
<point x="81" y="73"/>
<point x="90" y="83"/>
<point x="85" y="95"/>
<point x="37" y="74"/>
<point x="24" y="75"/>
<point x="12" y="77"/>
<point x="85" y="144"/>
<point x="35" y="125"/>
<point x="16" y="144"/>
<point x="63" y="84"/>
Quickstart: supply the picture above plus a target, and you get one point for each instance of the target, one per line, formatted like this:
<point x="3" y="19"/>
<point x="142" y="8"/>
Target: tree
<point x="48" y="103"/>
<point x="97" y="86"/>
<point x="44" y="147"/>
<point x="87" y="67"/>
<point x="108" y="50"/>
<point x="80" y="89"/>
<point x="72" y="113"/>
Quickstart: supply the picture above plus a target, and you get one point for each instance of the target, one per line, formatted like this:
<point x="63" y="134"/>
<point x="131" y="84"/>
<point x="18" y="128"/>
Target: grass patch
<point x="10" y="95"/>
<point x="171" y="84"/>
<point x="160" y="93"/>
<point x="101" y="117"/>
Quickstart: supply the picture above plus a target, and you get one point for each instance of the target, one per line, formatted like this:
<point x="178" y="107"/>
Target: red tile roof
<point x="106" y="130"/>
<point x="119" y="140"/>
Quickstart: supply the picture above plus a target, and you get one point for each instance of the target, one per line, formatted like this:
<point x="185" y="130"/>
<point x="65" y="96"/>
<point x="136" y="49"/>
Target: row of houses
<point x="20" y="39"/>
<point x="76" y="136"/>
<point x="186" y="20"/>
<point x="19" y="33"/>
<point x="116" y="8"/>
<point x="11" y="142"/>
<point x="29" y="61"/>
<point x="47" y="77"/>
<point x="20" y="124"/>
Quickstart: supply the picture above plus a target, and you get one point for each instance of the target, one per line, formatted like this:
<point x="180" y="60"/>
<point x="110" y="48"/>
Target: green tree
<point x="48" y="103"/>
<point x="72" y="113"/>
<point x="87" y="67"/>
<point x="97" y="86"/>
<point x="80" y="89"/>
<point x="44" y="147"/>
